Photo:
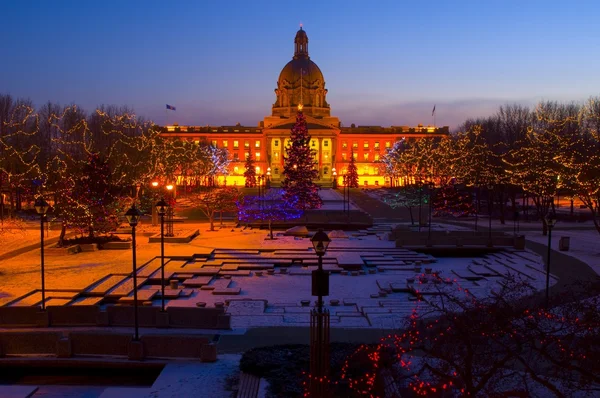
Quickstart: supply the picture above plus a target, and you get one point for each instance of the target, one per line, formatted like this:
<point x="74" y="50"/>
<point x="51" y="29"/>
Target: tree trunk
<point x="502" y="208"/>
<point x="63" y="232"/>
<point x="572" y="208"/>
<point x="212" y="219"/>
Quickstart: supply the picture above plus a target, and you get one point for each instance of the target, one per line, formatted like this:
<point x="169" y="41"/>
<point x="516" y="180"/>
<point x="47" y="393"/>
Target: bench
<point x="249" y="386"/>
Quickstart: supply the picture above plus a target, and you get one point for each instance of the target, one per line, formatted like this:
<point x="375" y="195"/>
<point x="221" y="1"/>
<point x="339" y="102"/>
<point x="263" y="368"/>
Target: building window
<point x="246" y="144"/>
<point x="344" y="145"/>
<point x="276" y="143"/>
<point x="366" y="183"/>
<point x="377" y="157"/>
<point x="257" y="144"/>
<point x="325" y="143"/>
<point x="246" y="154"/>
<point x="214" y="143"/>
<point x="325" y="171"/>
<point x="366" y="144"/>
<point x="225" y="143"/>
<point x="355" y="155"/>
<point x="236" y="156"/>
<point x="344" y="156"/>
<point x="366" y="156"/>
<point x="355" y="144"/>
<point x="388" y="144"/>
<point x="276" y="170"/>
<point x="236" y="144"/>
<point x="376" y="145"/>
<point x="276" y="154"/>
<point x="236" y="170"/>
<point x="313" y="143"/>
<point x="257" y="156"/>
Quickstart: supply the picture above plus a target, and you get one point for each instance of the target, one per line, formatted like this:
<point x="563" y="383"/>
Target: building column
<point x="320" y="159"/>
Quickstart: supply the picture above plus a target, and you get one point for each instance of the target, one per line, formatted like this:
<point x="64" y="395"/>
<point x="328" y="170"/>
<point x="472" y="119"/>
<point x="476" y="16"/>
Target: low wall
<point x="28" y="343"/>
<point x="114" y="315"/>
<point x="99" y="343"/>
<point x="199" y="318"/>
<point x="453" y="239"/>
<point x="78" y="315"/>
<point x="103" y="343"/>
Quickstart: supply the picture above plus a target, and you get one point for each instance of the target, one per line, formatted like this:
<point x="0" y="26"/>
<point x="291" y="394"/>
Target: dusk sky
<point x="385" y="63"/>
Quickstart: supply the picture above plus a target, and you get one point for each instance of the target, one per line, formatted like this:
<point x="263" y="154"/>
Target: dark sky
<point x="384" y="62"/>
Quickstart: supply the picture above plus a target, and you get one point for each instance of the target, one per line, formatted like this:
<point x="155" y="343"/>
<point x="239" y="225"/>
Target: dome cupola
<point x="301" y="82"/>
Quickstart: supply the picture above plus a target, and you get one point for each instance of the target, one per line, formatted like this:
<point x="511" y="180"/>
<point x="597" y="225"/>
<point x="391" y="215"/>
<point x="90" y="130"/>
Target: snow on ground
<point x="584" y="244"/>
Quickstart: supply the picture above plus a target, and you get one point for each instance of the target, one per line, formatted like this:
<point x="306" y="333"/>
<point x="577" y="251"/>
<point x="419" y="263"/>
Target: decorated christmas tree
<point x="95" y="195"/>
<point x="450" y="201"/>
<point x="250" y="172"/>
<point x="300" y="192"/>
<point x="352" y="176"/>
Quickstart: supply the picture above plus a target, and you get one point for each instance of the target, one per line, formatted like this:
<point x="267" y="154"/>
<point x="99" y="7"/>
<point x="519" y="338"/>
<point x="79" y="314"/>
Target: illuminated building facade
<point x="301" y="82"/>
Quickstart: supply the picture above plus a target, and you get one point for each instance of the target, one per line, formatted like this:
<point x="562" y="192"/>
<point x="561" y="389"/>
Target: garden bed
<point x="285" y="368"/>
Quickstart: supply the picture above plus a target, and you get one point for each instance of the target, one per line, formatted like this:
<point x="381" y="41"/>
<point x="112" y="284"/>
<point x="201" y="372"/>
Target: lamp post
<point x="319" y="320"/>
<point x="268" y="177"/>
<point x="490" y="188"/>
<point x="133" y="216"/>
<point x="170" y="232"/>
<point x="420" y="201"/>
<point x="334" y="173"/>
<point x="550" y="222"/>
<point x="344" y="192"/>
<point x="430" y="187"/>
<point x="154" y="215"/>
<point x="41" y="207"/>
<point x="476" y="204"/>
<point x="161" y="208"/>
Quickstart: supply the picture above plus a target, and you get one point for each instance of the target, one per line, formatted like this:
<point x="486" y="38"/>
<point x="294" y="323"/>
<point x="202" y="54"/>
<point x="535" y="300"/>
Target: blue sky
<point x="384" y="62"/>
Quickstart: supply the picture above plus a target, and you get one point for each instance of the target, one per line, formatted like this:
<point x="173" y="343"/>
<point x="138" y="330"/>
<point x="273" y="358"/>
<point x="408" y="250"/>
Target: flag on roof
<point x="433" y="111"/>
<point x="171" y="107"/>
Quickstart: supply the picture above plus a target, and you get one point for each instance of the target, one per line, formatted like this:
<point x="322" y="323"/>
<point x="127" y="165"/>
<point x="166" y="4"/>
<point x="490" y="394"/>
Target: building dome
<point x="301" y="82"/>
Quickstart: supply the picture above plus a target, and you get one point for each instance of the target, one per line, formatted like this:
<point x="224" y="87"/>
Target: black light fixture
<point x="320" y="242"/>
<point x="41" y="207"/>
<point x="161" y="207"/>
<point x="133" y="217"/>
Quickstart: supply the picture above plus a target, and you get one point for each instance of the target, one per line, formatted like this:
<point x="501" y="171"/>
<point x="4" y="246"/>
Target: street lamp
<point x="430" y="187"/>
<point x="170" y="188"/>
<point x="154" y="215"/>
<point x="344" y="191"/>
<point x="476" y="204"/>
<point x="161" y="208"/>
<point x="41" y="207"/>
<point x="420" y="201"/>
<point x="334" y="172"/>
<point x="319" y="319"/>
<point x="268" y="177"/>
<point x="490" y="188"/>
<point x="550" y="222"/>
<point x="133" y="216"/>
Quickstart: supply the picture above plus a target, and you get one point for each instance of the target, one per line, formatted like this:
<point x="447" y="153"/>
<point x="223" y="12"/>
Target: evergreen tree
<point x="450" y="201"/>
<point x="300" y="192"/>
<point x="352" y="175"/>
<point x="250" y="173"/>
<point x="96" y="196"/>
